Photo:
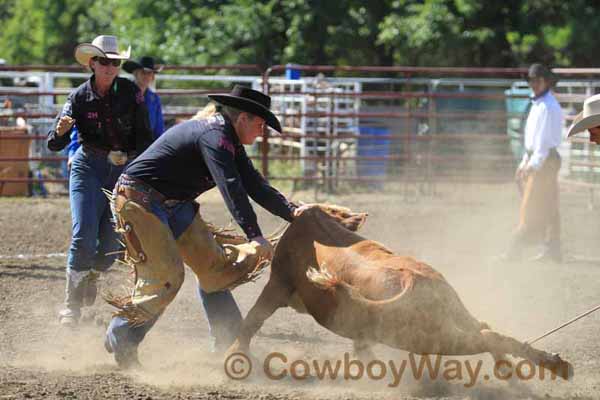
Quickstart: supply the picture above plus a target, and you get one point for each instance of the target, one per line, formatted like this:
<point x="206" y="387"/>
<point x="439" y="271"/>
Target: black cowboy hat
<point x="541" y="71"/>
<point x="145" y="62"/>
<point x="250" y="101"/>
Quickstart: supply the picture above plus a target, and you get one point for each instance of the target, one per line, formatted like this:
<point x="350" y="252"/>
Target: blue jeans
<point x="222" y="312"/>
<point x="93" y="233"/>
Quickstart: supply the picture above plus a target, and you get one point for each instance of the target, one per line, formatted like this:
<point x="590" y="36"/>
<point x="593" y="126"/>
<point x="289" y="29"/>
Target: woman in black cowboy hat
<point x="155" y="208"/>
<point x="144" y="72"/>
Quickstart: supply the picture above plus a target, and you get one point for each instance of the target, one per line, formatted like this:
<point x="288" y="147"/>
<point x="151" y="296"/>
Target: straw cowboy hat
<point x="250" y="101"/>
<point x="146" y="63"/>
<point x="103" y="46"/>
<point x="588" y="118"/>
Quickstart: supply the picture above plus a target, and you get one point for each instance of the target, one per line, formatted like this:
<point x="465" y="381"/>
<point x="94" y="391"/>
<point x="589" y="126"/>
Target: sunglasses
<point x="108" y="61"/>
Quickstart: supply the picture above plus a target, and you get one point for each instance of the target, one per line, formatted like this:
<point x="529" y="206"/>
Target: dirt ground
<point x="459" y="231"/>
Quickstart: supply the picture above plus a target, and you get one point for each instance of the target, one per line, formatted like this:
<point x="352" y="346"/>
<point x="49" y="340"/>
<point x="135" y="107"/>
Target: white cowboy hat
<point x="588" y="118"/>
<point x="103" y="46"/>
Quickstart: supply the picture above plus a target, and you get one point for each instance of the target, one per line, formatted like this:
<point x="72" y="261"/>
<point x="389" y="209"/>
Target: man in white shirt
<point x="537" y="174"/>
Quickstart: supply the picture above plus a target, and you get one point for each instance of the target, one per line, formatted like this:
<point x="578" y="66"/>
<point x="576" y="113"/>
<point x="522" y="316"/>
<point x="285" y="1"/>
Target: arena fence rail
<point x="344" y="126"/>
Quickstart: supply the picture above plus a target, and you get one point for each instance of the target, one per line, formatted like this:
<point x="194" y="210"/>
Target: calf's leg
<point x="274" y="295"/>
<point x="498" y="343"/>
<point x="456" y="341"/>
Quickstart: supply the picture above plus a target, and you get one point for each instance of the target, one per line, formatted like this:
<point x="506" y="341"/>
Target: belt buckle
<point x="117" y="157"/>
<point x="171" y="202"/>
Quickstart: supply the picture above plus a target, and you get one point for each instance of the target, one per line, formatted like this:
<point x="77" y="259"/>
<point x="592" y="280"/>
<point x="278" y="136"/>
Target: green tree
<point x="22" y="40"/>
<point x="345" y="32"/>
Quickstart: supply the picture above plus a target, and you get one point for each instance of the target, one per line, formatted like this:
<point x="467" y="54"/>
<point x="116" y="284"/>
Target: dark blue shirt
<point x="197" y="155"/>
<point x="154" y="113"/>
<point x="117" y="121"/>
<point x="155" y="116"/>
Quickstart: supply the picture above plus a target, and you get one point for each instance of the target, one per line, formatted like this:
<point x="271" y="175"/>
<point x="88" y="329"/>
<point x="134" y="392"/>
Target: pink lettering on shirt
<point x="227" y="145"/>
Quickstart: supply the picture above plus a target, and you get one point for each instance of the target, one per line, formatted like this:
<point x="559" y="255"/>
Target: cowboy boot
<point x="69" y="316"/>
<point x="125" y="355"/>
<point x="551" y="252"/>
<point x="90" y="288"/>
<point x="514" y="252"/>
<point x="128" y="359"/>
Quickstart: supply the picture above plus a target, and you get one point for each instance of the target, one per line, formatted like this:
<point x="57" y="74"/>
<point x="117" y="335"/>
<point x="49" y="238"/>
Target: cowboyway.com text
<point x="278" y="366"/>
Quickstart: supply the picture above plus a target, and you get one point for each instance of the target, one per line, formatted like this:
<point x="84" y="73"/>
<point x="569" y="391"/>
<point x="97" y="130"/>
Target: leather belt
<point x="142" y="193"/>
<point x="138" y="191"/>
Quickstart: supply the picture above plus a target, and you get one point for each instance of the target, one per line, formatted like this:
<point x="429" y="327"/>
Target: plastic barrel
<point x="514" y="124"/>
<point x="291" y="72"/>
<point x="373" y="147"/>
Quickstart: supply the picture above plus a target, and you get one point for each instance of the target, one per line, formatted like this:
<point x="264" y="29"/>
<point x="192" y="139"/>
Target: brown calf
<point x="363" y="291"/>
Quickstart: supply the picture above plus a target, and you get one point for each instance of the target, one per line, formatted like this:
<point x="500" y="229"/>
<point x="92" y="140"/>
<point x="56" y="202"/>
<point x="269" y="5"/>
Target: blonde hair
<point x="208" y="111"/>
<point x="212" y="108"/>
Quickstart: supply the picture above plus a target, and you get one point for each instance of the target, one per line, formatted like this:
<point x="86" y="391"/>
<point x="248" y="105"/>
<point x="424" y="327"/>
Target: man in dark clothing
<point x="113" y="128"/>
<point x="154" y="207"/>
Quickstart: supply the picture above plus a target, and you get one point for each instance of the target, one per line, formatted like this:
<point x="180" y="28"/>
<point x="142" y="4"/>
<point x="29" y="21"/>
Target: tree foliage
<point x="349" y="32"/>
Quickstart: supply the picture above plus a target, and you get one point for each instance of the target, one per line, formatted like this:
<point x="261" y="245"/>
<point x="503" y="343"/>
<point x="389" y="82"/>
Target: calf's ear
<point x="344" y="216"/>
<point x="354" y="221"/>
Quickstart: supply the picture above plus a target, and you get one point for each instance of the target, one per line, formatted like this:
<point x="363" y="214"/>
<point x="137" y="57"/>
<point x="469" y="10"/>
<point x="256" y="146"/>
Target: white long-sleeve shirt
<point x="543" y="130"/>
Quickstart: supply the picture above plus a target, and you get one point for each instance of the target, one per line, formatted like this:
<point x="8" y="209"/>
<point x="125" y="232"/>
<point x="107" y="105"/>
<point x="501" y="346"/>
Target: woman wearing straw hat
<point x="144" y="71"/>
<point x="537" y="173"/>
<point x="112" y="121"/>
<point x="155" y="209"/>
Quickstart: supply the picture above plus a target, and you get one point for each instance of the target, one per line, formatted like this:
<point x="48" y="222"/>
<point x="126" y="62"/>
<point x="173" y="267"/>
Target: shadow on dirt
<point x="34" y="271"/>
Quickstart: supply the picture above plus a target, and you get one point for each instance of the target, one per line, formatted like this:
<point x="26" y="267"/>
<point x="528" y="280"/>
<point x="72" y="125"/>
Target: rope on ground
<point x="532" y="341"/>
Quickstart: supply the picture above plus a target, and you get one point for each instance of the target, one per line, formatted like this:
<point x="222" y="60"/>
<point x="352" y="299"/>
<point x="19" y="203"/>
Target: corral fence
<point x="344" y="127"/>
<point x="392" y="126"/>
<point x="33" y="95"/>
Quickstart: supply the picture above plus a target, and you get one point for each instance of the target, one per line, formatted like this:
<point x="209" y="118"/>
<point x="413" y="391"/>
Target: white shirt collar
<point x="541" y="98"/>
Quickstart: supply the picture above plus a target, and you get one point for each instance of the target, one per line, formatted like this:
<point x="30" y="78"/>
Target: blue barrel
<point x="373" y="147"/>
<point x="291" y="72"/>
<point x="516" y="107"/>
<point x="517" y="104"/>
